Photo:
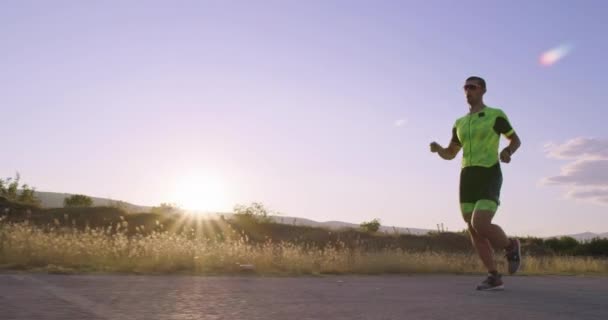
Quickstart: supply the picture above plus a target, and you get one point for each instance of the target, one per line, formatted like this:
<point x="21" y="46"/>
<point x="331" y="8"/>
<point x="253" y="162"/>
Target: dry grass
<point x="23" y="246"/>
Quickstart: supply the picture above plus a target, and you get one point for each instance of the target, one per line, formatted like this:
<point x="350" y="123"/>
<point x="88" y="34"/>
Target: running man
<point x="478" y="134"/>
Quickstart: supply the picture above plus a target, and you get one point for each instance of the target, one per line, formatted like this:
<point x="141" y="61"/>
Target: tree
<point x="9" y="189"/>
<point x="371" y="226"/>
<point x="562" y="245"/>
<point x="78" y="200"/>
<point x="12" y="185"/>
<point x="27" y="195"/>
<point x="255" y="211"/>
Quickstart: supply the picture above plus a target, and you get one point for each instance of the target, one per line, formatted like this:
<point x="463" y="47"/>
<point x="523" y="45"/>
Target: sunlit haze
<point x="201" y="193"/>
<point x="318" y="109"/>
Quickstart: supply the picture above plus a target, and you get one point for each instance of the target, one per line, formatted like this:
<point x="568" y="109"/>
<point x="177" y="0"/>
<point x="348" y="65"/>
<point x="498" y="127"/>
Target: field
<point x="105" y="240"/>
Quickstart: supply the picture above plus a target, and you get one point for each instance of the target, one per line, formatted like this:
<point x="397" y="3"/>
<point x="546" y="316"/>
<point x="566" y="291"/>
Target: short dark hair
<point x="479" y="80"/>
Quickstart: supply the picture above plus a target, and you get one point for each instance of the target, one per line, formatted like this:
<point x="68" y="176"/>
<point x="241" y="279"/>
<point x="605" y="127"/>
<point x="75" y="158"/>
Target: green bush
<point x="562" y="245"/>
<point x="78" y="200"/>
<point x="595" y="247"/>
<point x="254" y="212"/>
<point x="10" y="190"/>
<point x="371" y="226"/>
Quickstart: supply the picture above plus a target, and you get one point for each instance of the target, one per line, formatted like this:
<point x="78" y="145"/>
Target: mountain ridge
<point x="55" y="200"/>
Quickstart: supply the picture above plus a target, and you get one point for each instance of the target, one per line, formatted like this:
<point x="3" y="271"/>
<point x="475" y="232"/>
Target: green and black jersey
<point x="481" y="178"/>
<point x="479" y="135"/>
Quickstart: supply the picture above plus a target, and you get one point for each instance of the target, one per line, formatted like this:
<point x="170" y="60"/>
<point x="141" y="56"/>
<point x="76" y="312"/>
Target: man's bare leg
<point x="484" y="249"/>
<point x="481" y="222"/>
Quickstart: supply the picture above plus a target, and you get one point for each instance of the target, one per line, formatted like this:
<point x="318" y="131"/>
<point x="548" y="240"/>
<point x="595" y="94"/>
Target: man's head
<point x="474" y="89"/>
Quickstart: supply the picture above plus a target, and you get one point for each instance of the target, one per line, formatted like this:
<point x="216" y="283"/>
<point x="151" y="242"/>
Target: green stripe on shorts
<point x="467" y="208"/>
<point x="487" y="205"/>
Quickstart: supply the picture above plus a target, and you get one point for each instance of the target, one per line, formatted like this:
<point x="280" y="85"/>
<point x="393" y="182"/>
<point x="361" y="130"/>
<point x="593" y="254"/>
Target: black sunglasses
<point x="471" y="87"/>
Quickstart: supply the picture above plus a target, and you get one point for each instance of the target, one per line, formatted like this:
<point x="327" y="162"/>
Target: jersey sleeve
<point x="455" y="136"/>
<point x="502" y="125"/>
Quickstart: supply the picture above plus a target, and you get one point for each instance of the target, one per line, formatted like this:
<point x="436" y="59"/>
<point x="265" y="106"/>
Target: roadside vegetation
<point x="83" y="238"/>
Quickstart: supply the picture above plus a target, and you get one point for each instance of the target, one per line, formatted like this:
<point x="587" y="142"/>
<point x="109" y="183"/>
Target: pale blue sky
<point x="294" y="103"/>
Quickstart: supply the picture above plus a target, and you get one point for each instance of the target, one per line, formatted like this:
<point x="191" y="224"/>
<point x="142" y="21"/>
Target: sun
<point x="201" y="193"/>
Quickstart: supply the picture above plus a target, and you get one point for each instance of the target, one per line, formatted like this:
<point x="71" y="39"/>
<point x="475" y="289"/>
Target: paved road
<point x="39" y="296"/>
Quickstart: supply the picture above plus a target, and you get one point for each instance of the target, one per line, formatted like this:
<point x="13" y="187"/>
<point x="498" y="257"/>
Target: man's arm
<point x="453" y="148"/>
<point x="508" y="151"/>
<point x="514" y="143"/>
<point x="448" y="153"/>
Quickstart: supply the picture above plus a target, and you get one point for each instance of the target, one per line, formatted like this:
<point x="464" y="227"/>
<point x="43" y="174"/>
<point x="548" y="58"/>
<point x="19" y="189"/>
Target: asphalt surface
<point x="42" y="296"/>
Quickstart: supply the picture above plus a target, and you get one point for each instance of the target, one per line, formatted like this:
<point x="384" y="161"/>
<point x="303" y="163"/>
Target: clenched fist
<point x="435" y="147"/>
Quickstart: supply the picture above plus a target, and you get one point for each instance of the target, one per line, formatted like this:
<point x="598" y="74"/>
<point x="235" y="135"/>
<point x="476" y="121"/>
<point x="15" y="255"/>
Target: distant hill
<point x="586" y="236"/>
<point x="55" y="200"/>
<point x="335" y="225"/>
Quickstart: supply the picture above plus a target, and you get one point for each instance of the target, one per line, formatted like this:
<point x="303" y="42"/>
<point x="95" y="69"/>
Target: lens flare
<point x="550" y="57"/>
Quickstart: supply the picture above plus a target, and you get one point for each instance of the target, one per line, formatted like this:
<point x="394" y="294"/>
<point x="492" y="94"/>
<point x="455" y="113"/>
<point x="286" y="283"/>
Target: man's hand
<point x="435" y="147"/>
<point x="445" y="153"/>
<point x="505" y="155"/>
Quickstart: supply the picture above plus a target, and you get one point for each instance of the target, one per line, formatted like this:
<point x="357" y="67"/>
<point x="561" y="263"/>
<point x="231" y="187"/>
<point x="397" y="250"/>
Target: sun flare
<point x="201" y="193"/>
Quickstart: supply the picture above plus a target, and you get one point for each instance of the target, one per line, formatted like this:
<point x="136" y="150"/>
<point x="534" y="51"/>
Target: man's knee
<point x="480" y="226"/>
<point x="481" y="221"/>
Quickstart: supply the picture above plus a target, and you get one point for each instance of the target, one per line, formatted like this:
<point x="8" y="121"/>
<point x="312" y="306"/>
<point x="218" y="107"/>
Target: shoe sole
<point x="519" y="264"/>
<point x="497" y="288"/>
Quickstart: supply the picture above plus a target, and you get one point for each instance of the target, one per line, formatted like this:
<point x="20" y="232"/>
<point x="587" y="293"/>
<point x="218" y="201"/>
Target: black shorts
<point x="477" y="183"/>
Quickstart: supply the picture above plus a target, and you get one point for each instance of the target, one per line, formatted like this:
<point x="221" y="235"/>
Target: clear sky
<point x="318" y="109"/>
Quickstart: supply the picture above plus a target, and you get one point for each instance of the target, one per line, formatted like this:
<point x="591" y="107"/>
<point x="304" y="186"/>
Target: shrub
<point x="78" y="200"/>
<point x="371" y="226"/>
